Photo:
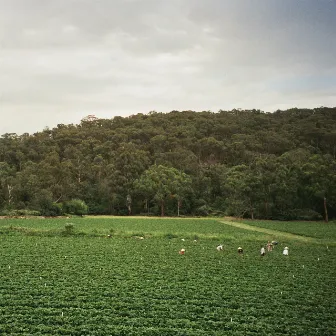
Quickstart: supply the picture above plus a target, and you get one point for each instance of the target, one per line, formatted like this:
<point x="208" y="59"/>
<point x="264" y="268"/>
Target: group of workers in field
<point x="269" y="248"/>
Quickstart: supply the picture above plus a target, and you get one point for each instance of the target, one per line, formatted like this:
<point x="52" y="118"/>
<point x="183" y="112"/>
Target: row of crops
<point x="82" y="285"/>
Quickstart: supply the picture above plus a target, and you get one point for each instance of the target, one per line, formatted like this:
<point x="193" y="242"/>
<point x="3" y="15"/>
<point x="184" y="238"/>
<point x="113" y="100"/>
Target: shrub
<point x="20" y="212"/>
<point x="69" y="228"/>
<point x="75" y="207"/>
<point x="298" y="214"/>
<point x="52" y="210"/>
<point x="202" y="211"/>
<point x="307" y="215"/>
<point x="217" y="213"/>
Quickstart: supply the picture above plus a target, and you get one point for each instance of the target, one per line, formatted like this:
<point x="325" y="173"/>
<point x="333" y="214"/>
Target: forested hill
<point x="279" y="165"/>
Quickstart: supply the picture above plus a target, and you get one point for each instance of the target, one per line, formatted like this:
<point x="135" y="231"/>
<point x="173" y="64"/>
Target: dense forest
<point x="247" y="163"/>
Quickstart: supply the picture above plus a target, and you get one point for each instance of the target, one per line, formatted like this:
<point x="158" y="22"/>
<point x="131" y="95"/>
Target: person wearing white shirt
<point x="262" y="251"/>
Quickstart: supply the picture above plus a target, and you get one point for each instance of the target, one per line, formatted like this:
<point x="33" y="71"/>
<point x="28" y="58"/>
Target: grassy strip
<point x="19" y="230"/>
<point x="275" y="234"/>
<point x="320" y="230"/>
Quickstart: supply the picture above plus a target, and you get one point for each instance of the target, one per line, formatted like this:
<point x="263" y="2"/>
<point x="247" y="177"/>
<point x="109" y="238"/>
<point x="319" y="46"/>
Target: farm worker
<point x="269" y="247"/>
<point x="285" y="251"/>
<point x="182" y="251"/>
<point x="262" y="251"/>
<point x="219" y="248"/>
<point x="240" y="250"/>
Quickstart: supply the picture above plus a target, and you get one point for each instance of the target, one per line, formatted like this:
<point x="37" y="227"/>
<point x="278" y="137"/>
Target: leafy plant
<point x="75" y="207"/>
<point x="69" y="228"/>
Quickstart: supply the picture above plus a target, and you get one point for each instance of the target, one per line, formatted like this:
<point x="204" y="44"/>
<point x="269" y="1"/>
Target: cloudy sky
<point x="61" y="60"/>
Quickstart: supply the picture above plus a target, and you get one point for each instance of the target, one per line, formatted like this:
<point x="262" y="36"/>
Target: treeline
<point x="279" y="165"/>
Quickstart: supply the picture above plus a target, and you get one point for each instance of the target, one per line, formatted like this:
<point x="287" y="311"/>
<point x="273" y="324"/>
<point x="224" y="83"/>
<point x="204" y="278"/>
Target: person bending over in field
<point x="182" y="252"/>
<point x="269" y="247"/>
<point x="285" y="251"/>
<point x="240" y="250"/>
<point x="262" y="251"/>
<point x="219" y="248"/>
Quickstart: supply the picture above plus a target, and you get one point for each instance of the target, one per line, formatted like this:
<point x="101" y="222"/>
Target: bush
<point x="58" y="208"/>
<point x="52" y="210"/>
<point x="69" y="228"/>
<point x="75" y="207"/>
<point x="97" y="209"/>
<point x="43" y="202"/>
<point x="307" y="215"/>
<point x="20" y="212"/>
<point x="217" y="213"/>
<point x="202" y="211"/>
<point x="298" y="214"/>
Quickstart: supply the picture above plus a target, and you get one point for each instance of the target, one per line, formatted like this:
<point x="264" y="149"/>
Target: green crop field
<point x="83" y="283"/>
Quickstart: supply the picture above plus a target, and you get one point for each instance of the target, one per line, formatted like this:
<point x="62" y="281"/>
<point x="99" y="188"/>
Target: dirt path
<point x="272" y="232"/>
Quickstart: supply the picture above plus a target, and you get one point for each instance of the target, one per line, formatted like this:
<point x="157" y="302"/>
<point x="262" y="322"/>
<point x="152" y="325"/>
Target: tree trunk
<point x="325" y="210"/>
<point x="129" y="204"/>
<point x="10" y="197"/>
<point x="162" y="208"/>
<point x="252" y="210"/>
<point x="146" y="206"/>
<point x="178" y="207"/>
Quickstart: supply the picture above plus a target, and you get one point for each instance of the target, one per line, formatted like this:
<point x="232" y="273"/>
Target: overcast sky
<point x="61" y="60"/>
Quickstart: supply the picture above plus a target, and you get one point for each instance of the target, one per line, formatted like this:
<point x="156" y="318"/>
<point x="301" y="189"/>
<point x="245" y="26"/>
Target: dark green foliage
<point x="20" y="213"/>
<point x="163" y="184"/>
<point x="244" y="163"/>
<point x="45" y="205"/>
<point x="69" y="228"/>
<point x="75" y="207"/>
<point x="202" y="210"/>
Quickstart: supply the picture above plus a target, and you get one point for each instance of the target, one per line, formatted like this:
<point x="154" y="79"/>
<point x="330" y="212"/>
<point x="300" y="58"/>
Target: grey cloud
<point x="88" y="18"/>
<point x="265" y="32"/>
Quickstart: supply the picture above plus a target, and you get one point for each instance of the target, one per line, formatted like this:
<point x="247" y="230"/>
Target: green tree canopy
<point x="161" y="183"/>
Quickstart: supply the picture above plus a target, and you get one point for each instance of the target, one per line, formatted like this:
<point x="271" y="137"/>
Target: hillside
<point x="277" y="165"/>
